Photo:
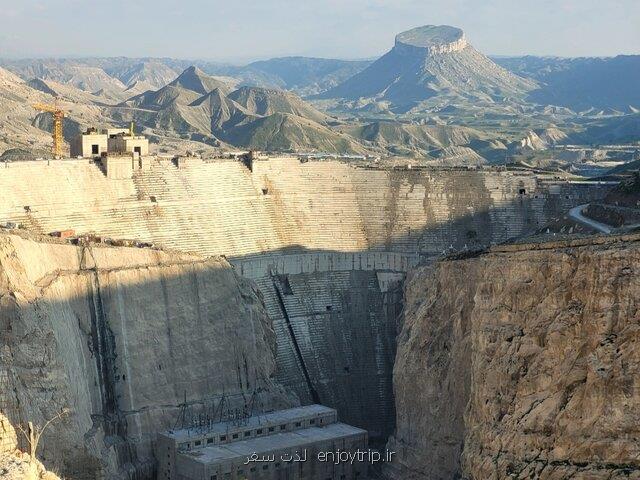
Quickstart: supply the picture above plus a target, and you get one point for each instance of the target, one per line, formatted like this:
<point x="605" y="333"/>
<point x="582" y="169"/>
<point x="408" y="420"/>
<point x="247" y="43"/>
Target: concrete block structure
<point x="127" y="143"/>
<point x="89" y="144"/>
<point x="92" y="143"/>
<point x="118" y="167"/>
<point x="298" y="443"/>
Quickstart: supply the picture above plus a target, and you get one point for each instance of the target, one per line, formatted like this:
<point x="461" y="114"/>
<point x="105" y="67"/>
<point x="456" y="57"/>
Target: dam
<point x="326" y="245"/>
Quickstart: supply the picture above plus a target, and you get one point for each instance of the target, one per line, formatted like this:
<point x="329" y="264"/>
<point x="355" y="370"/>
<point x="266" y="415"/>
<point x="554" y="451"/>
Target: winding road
<point x="576" y="214"/>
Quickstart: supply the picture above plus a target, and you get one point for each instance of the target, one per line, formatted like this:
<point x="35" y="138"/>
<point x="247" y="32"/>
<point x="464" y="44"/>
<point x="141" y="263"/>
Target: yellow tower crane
<point x="58" y="116"/>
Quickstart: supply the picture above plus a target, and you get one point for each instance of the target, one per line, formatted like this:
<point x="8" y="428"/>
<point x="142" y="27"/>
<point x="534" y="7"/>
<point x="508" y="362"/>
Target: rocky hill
<point x="432" y="62"/>
<point x="284" y="131"/>
<point x="152" y="73"/>
<point x="20" y="123"/>
<point x="302" y="75"/>
<point x="412" y="139"/>
<point x="207" y="107"/>
<point x="265" y="102"/>
<point x="521" y="363"/>
<point x="582" y="84"/>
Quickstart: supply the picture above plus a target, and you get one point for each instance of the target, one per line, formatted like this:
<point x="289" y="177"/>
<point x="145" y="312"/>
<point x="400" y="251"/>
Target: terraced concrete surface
<point x="328" y="244"/>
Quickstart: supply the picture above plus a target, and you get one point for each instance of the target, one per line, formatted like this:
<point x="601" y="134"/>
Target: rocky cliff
<point x="522" y="363"/>
<point x="122" y="337"/>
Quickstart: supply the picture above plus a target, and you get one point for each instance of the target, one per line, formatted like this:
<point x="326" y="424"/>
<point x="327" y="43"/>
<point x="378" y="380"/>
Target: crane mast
<point x="58" y="116"/>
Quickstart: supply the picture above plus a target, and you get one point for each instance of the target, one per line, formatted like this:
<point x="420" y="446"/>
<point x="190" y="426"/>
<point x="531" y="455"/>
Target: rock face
<point x="521" y="364"/>
<point x="122" y="336"/>
<point x="433" y="39"/>
<point x="432" y="62"/>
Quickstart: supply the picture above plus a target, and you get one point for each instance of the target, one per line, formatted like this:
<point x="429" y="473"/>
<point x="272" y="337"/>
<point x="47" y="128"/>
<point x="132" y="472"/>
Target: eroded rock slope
<point x="522" y="364"/>
<point x="121" y="336"/>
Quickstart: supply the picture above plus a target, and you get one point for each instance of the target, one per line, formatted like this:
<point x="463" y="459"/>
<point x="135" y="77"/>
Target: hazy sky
<point x="241" y="30"/>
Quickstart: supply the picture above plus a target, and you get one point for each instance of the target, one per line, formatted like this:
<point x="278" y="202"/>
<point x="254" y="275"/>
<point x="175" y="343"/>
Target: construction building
<point x="128" y="143"/>
<point x="92" y="143"/>
<point x="89" y="144"/>
<point x="297" y="444"/>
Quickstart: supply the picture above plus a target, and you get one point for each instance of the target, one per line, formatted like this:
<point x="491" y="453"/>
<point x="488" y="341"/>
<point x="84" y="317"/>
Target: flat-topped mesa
<point x="431" y="40"/>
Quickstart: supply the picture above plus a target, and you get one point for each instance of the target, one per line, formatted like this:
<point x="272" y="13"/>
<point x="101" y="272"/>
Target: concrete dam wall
<point x="326" y="242"/>
<point x="123" y="337"/>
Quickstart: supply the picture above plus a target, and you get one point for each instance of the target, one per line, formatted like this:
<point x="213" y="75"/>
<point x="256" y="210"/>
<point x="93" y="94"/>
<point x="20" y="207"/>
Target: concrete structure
<point x="112" y="132"/>
<point x="327" y="242"/>
<point x="127" y="143"/>
<point x="92" y="143"/>
<point x="89" y="144"/>
<point x="224" y="450"/>
<point x="118" y="167"/>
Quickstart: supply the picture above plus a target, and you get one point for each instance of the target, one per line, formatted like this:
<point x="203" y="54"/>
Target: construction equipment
<point x="58" y="116"/>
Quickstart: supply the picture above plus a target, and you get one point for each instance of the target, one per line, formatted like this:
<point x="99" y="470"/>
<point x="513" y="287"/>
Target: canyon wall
<point x="327" y="243"/>
<point x="522" y="363"/>
<point x="123" y="337"/>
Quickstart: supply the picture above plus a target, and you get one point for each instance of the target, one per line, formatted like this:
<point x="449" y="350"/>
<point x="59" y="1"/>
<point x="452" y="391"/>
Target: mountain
<point x="201" y="107"/>
<point x="283" y="131"/>
<point x="197" y="81"/>
<point x="582" y="84"/>
<point x="65" y="91"/>
<point x="264" y="102"/>
<point x="432" y="62"/>
<point x="222" y="112"/>
<point x="612" y="130"/>
<point x="151" y="73"/>
<point x="87" y="77"/>
<point x="21" y="126"/>
<point x="188" y="87"/>
<point x="302" y="75"/>
<point x="401" y="138"/>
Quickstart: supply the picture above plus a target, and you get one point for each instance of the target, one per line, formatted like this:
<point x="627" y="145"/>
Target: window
<point x="213" y="477"/>
<point x="277" y="464"/>
<point x="247" y="434"/>
<point x="265" y="191"/>
<point x="312" y="421"/>
<point x="209" y="440"/>
<point x="198" y="442"/>
<point x="223" y="438"/>
<point x="283" y="427"/>
<point x="298" y="424"/>
<point x="522" y="191"/>
<point x="235" y="435"/>
<point x="259" y="431"/>
<point x="271" y="429"/>
<point x="265" y="466"/>
<point x="329" y="308"/>
<point x="95" y="149"/>
<point x="138" y="150"/>
<point x="253" y="469"/>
